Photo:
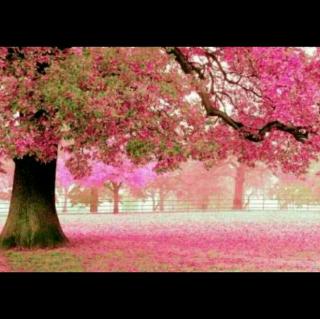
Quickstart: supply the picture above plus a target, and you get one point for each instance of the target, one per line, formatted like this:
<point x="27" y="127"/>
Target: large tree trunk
<point x="116" y="198"/>
<point x="94" y="202"/>
<point x="239" y="187"/>
<point x="32" y="219"/>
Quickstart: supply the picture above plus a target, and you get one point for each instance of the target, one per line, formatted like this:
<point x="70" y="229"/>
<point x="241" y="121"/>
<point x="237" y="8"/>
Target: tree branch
<point x="186" y="65"/>
<point x="300" y="133"/>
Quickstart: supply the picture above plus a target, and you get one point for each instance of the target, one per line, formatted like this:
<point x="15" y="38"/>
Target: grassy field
<point x="180" y="242"/>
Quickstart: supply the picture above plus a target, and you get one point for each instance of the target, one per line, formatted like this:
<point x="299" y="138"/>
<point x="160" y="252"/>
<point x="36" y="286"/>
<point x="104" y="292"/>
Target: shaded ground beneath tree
<point x="4" y="266"/>
<point x="220" y="241"/>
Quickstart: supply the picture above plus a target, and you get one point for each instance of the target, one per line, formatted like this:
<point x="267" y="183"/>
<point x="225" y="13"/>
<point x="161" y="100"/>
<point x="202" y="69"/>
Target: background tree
<point x="64" y="179"/>
<point x="295" y="190"/>
<point x="198" y="185"/>
<point x="248" y="179"/>
<point x="106" y="177"/>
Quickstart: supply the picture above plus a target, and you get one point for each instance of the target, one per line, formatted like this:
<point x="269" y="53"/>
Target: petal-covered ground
<point x="4" y="267"/>
<point x="224" y="241"/>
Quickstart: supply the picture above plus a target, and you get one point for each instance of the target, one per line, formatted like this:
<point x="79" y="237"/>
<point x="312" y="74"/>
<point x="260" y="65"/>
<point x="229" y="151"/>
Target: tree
<point x="199" y="185"/>
<point x="267" y="96"/>
<point x="107" y="99"/>
<point x="111" y="177"/>
<point x="158" y="189"/>
<point x="64" y="179"/>
<point x="295" y="190"/>
<point x="88" y="196"/>
<point x="256" y="177"/>
<point x="253" y="103"/>
<point x="239" y="185"/>
<point x="192" y="186"/>
<point x="202" y="184"/>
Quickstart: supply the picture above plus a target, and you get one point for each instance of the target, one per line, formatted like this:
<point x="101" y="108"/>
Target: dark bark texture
<point x="32" y="219"/>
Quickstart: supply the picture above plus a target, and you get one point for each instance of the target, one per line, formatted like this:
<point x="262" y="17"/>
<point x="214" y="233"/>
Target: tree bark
<point x="204" y="205"/>
<point x="32" y="219"/>
<point x="116" y="198"/>
<point x="154" y="204"/>
<point x="161" y="200"/>
<point x="94" y="202"/>
<point x="65" y="199"/>
<point x="239" y="188"/>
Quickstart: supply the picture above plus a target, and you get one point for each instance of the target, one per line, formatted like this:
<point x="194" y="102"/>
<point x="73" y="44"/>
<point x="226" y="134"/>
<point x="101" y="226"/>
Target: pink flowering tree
<point x="116" y="100"/>
<point x="253" y="103"/>
<point x="64" y="179"/>
<point x="199" y="185"/>
<point x="257" y="177"/>
<point x="158" y="189"/>
<point x="264" y="101"/>
<point x="107" y="176"/>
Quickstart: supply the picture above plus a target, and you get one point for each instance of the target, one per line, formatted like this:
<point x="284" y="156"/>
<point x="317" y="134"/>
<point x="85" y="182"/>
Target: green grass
<point x="43" y="261"/>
